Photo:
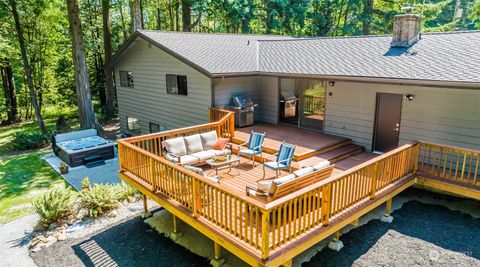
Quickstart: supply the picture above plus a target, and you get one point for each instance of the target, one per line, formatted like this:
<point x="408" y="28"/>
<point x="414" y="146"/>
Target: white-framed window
<point x="177" y="84"/>
<point x="133" y="125"/>
<point x="155" y="127"/>
<point x="126" y="78"/>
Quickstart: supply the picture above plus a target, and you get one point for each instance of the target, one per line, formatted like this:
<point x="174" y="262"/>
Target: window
<point x="155" y="127"/>
<point x="177" y="84"/>
<point x="126" y="78"/>
<point x="133" y="126"/>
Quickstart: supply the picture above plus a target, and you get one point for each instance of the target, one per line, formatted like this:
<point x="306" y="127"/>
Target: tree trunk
<point x="137" y="15"/>
<point x="10" y="94"/>
<point x="159" y="16"/>
<point x="367" y="16"/>
<point x="82" y="85"/>
<point x="122" y="19"/>
<point x="26" y="67"/>
<point x="186" y="16"/>
<point x="107" y="45"/>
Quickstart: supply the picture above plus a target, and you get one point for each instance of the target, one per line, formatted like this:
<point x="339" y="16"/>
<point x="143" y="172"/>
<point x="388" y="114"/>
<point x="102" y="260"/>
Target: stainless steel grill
<point x="244" y="110"/>
<point x="288" y="105"/>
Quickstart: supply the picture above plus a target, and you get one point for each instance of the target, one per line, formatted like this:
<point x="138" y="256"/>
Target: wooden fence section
<point x="450" y="163"/>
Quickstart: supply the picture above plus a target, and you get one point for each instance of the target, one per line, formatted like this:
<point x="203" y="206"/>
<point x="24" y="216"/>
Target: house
<point x="379" y="91"/>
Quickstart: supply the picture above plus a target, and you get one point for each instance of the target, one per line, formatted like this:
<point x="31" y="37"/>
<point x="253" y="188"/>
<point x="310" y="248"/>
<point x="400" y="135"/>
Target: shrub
<point x="86" y="184"/>
<point x="98" y="199"/>
<point x="53" y="207"/>
<point x="23" y="140"/>
<point x="126" y="192"/>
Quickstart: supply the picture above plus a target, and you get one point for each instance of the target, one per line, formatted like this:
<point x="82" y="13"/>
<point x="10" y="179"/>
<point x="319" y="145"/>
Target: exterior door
<point x="387" y="122"/>
<point x="312" y="104"/>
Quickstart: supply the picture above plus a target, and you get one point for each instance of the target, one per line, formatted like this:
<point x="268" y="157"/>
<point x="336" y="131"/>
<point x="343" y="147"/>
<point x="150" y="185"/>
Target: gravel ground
<point x="129" y="243"/>
<point x="420" y="235"/>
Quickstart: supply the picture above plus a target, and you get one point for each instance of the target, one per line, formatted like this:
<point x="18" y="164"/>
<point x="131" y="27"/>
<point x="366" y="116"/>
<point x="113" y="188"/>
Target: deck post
<point x="336" y="244"/>
<point x="145" y="213"/>
<point x="217" y="251"/>
<point x="288" y="263"/>
<point x="197" y="202"/>
<point x="152" y="173"/>
<point x="326" y="199"/>
<point x="265" y="234"/>
<point x="232" y="126"/>
<point x="388" y="208"/>
<point x="174" y="224"/>
<point x="373" y="188"/>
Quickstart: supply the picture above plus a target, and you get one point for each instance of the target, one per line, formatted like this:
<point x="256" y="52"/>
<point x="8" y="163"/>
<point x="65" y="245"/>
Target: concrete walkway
<point x="14" y="238"/>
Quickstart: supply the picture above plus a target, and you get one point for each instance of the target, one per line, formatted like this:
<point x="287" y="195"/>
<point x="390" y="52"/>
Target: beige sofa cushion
<point x="264" y="185"/>
<point x="279" y="181"/>
<point x="208" y="139"/>
<point x="321" y="165"/>
<point x="193" y="143"/>
<point x="185" y="159"/>
<point x="204" y="155"/>
<point x="175" y="146"/>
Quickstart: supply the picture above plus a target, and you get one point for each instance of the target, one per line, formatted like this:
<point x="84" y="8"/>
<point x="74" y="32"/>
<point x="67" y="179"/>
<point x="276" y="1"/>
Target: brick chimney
<point x="406" y="29"/>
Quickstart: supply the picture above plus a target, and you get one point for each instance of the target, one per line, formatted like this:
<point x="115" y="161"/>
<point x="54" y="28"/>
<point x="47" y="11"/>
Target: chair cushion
<point x="303" y="171"/>
<point x="321" y="165"/>
<point x="193" y="143"/>
<point x="248" y="152"/>
<point x="212" y="178"/>
<point x="285" y="153"/>
<point x="220" y="144"/>
<point x="208" y="139"/>
<point x="284" y="179"/>
<point x="264" y="185"/>
<point x="255" y="140"/>
<point x="274" y="165"/>
<point x="204" y="155"/>
<point x="175" y="146"/>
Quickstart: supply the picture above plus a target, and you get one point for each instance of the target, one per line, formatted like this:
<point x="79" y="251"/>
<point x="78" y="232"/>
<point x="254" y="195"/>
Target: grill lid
<point x="288" y="95"/>
<point x="242" y="101"/>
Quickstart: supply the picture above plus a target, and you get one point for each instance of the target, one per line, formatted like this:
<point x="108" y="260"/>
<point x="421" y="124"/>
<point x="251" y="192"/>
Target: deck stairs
<point x="333" y="152"/>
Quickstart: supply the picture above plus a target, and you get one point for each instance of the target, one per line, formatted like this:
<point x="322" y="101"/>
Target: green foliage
<point x="25" y="140"/>
<point x="99" y="199"/>
<point x="86" y="183"/>
<point x="53" y="207"/>
<point x="126" y="192"/>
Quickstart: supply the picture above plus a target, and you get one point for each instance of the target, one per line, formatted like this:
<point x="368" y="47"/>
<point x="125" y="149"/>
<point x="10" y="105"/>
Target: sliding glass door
<point x="312" y="104"/>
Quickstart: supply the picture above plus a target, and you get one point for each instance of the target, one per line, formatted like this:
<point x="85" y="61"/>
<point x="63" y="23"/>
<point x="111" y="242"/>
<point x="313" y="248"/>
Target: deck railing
<point x="450" y="163"/>
<point x="266" y="227"/>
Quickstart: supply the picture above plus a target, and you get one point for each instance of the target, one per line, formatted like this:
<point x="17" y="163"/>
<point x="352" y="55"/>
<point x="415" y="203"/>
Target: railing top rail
<point x="181" y="130"/>
<point x="451" y="147"/>
<point x="338" y="176"/>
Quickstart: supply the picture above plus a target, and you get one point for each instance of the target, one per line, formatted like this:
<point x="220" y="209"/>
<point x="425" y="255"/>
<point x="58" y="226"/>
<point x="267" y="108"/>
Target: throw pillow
<point x="220" y="144"/>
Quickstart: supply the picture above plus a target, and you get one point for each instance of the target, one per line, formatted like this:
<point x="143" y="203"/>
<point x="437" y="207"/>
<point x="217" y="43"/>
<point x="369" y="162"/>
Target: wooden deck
<point x="271" y="234"/>
<point x="308" y="142"/>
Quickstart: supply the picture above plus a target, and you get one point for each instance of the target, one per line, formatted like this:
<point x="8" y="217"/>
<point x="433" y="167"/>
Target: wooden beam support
<point x="145" y="205"/>
<point x="356" y="222"/>
<point x="174" y="224"/>
<point x="337" y="235"/>
<point x="388" y="207"/>
<point x="217" y="252"/>
<point x="288" y="263"/>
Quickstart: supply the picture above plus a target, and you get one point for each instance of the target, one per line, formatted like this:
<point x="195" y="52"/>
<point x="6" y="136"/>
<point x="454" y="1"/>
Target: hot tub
<point x="74" y="147"/>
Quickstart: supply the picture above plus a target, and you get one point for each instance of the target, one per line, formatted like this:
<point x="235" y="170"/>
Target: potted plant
<point x="63" y="168"/>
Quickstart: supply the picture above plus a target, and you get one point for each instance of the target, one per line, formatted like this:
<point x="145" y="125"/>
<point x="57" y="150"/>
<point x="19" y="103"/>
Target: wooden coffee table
<point x="223" y="164"/>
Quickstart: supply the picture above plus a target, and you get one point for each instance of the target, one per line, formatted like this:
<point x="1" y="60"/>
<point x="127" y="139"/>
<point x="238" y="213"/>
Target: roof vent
<point x="406" y="28"/>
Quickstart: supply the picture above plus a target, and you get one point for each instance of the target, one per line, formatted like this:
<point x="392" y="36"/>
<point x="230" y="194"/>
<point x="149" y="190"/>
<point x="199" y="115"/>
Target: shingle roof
<point x="453" y="56"/>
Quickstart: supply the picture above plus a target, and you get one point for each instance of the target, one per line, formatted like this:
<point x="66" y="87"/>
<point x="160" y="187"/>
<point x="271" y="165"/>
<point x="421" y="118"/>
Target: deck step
<point x="93" y="161"/>
<point x="333" y="155"/>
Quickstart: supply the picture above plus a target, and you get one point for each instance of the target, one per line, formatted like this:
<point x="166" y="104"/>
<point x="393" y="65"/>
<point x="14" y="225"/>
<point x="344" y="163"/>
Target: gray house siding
<point x="439" y="115"/>
<point x="148" y="101"/>
<point x="262" y="89"/>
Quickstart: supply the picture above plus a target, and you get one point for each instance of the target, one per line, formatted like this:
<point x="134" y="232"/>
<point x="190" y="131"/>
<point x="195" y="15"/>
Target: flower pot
<point x="64" y="170"/>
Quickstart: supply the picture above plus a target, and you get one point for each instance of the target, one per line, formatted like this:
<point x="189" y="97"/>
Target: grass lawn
<point x="23" y="174"/>
<point x="23" y="177"/>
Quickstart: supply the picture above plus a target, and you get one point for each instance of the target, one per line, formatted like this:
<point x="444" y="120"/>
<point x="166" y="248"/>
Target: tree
<point x="137" y="15"/>
<point x="82" y="85"/>
<point x="107" y="44"/>
<point x="9" y="92"/>
<point x="26" y="67"/>
<point x="187" y="24"/>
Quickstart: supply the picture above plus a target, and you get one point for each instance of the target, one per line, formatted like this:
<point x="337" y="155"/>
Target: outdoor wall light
<point x="331" y="83"/>
<point x="330" y="94"/>
<point x="409" y="97"/>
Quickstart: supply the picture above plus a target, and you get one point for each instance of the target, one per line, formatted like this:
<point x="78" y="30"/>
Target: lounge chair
<point x="283" y="161"/>
<point x="253" y="147"/>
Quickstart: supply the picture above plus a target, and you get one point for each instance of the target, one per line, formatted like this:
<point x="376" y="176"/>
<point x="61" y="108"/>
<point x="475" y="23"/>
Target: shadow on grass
<point x="451" y="230"/>
<point x="133" y="243"/>
<point x="25" y="173"/>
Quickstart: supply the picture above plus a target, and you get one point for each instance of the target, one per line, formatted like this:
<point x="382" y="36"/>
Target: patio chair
<point x="284" y="159"/>
<point x="253" y="147"/>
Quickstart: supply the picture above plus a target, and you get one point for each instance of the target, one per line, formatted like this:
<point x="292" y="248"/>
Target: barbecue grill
<point x="288" y="105"/>
<point x="244" y="110"/>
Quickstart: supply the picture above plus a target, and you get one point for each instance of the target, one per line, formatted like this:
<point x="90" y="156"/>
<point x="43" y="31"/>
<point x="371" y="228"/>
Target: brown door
<point x="387" y="122"/>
